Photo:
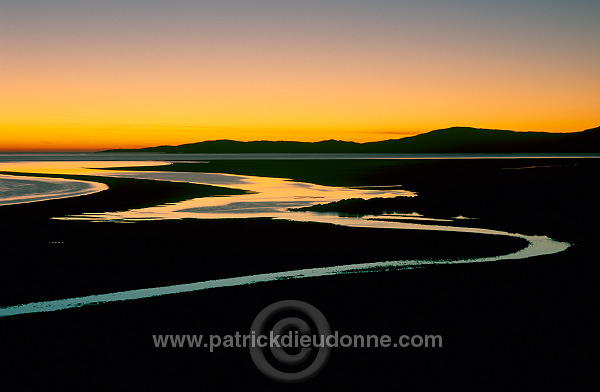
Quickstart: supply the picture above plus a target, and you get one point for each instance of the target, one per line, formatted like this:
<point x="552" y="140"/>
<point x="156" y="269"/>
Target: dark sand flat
<point x="519" y="323"/>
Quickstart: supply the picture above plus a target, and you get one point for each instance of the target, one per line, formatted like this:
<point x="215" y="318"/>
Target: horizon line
<point x="101" y="149"/>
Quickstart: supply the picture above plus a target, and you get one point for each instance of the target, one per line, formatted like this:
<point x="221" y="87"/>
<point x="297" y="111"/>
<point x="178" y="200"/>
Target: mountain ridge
<point x="446" y="140"/>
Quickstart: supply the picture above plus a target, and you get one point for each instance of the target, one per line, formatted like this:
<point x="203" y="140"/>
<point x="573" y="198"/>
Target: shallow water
<point x="538" y="245"/>
<point x="19" y="190"/>
<point x="268" y="197"/>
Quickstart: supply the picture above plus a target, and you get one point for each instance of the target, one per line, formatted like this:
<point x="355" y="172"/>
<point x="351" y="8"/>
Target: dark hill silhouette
<point x="449" y="140"/>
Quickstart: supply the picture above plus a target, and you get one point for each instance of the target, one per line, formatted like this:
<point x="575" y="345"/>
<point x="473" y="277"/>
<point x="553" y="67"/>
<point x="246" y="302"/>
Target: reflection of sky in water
<point x="537" y="245"/>
<point x="270" y="197"/>
<point x="19" y="189"/>
<point x="69" y="167"/>
<point x="267" y="197"/>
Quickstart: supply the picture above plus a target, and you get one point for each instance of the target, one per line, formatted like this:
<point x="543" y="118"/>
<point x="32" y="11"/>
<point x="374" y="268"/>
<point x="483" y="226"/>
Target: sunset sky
<point x="89" y="75"/>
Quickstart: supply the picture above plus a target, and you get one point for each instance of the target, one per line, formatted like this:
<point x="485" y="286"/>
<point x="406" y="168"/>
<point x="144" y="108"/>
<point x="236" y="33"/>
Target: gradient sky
<point x="83" y="74"/>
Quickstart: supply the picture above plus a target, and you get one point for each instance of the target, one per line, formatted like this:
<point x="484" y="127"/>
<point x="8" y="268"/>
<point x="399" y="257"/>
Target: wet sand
<point x="20" y="189"/>
<point x="506" y="324"/>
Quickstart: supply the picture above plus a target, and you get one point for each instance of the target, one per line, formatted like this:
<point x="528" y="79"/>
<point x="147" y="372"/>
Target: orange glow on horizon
<point x="94" y="108"/>
<point x="80" y="139"/>
<point x="96" y="76"/>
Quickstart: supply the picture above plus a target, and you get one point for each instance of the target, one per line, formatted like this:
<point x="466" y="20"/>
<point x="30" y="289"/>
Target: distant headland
<point x="448" y="140"/>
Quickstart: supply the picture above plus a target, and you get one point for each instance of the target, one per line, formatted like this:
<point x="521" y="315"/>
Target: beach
<point x="510" y="321"/>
